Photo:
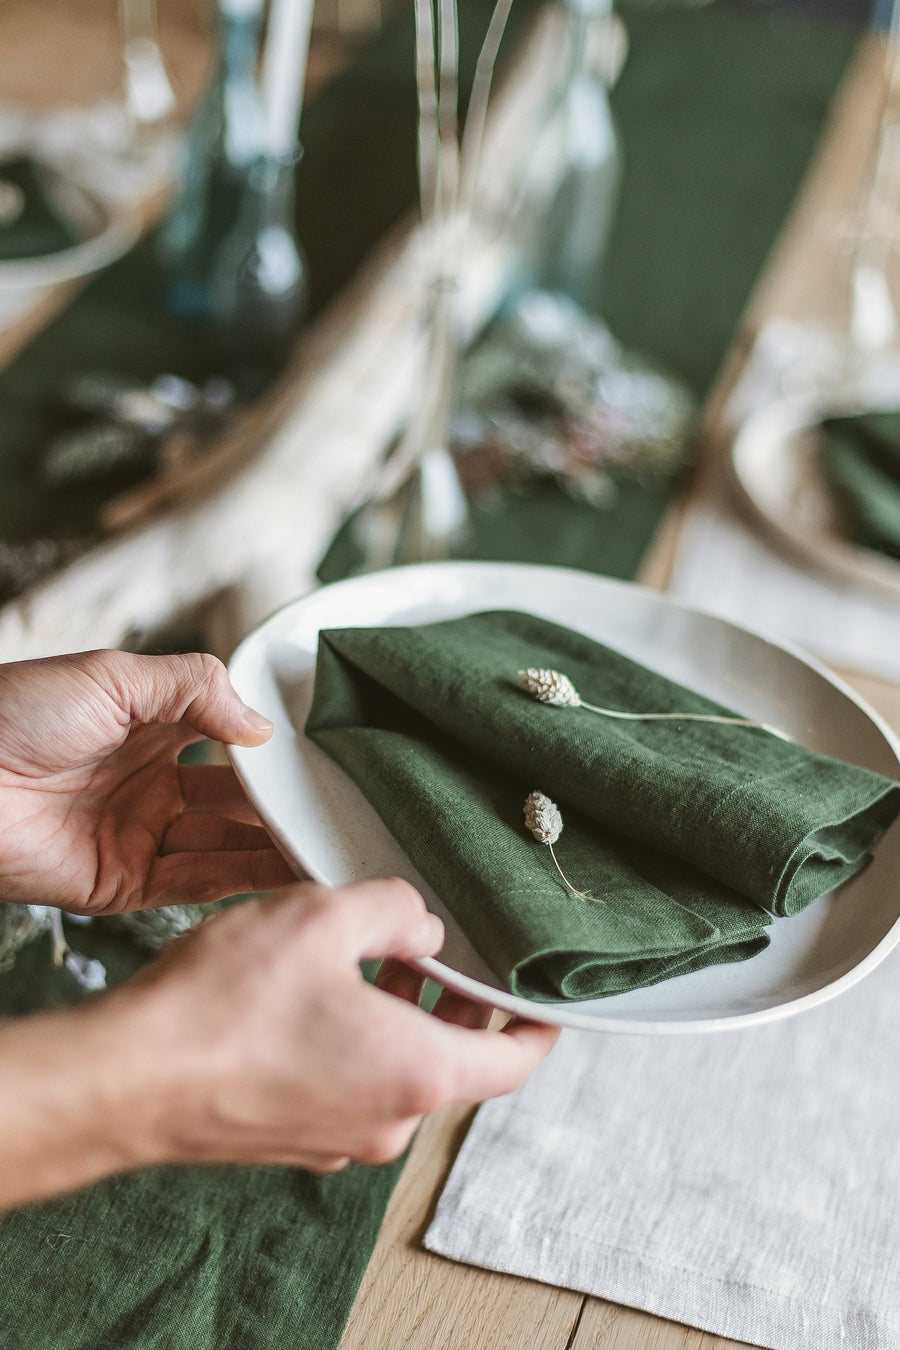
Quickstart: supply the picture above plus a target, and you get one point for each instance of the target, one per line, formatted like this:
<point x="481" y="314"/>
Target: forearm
<point x="69" y="1094"/>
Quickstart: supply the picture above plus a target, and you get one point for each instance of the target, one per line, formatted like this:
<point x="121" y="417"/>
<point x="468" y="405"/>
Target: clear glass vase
<point x="577" y="152"/>
<point x="258" y="284"/>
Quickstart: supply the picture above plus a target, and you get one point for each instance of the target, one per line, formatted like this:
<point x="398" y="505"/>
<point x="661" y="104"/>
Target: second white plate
<point x="775" y="467"/>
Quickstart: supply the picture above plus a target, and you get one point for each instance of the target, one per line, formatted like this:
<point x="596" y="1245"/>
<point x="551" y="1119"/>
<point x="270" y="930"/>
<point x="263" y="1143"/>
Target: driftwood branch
<point x="260" y="511"/>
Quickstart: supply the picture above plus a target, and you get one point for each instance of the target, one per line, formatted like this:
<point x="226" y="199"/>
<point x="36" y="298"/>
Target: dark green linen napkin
<point x="690" y="835"/>
<point x="861" y="459"/>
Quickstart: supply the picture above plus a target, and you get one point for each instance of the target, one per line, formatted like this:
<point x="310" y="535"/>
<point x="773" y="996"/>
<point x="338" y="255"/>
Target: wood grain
<point x="411" y="1298"/>
<point x="606" y="1326"/>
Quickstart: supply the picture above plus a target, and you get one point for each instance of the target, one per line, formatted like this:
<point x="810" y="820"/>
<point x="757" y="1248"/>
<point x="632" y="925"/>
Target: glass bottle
<point x="223" y="144"/>
<point x="570" y="230"/>
<point x="258" y="285"/>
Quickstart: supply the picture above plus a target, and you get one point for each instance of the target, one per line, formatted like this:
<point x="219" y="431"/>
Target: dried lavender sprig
<point x="543" y="819"/>
<point x="557" y="690"/>
<point x="476" y="116"/>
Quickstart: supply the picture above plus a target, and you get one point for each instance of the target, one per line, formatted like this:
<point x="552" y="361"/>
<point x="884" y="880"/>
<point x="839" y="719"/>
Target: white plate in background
<point x="776" y="471"/>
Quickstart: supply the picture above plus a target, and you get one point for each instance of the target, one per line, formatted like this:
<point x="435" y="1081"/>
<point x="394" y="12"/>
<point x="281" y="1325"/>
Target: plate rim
<point x="526" y="1008"/>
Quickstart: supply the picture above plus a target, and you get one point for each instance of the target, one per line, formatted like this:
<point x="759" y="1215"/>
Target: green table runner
<point x="732" y="824"/>
<point x="719" y="111"/>
<point x="861" y="459"/>
<point x="181" y="1258"/>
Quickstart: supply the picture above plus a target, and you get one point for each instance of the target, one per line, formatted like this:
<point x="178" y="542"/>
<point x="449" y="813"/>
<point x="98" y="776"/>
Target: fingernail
<point x="256" y="719"/>
<point x="433" y="930"/>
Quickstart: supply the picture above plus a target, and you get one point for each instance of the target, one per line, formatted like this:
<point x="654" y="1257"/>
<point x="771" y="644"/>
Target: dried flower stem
<point x="476" y="117"/>
<point x="448" y="175"/>
<point x="558" y="691"/>
<point x="582" y="895"/>
<point x="428" y="135"/>
<point x="543" y="819"/>
<point x="688" y="717"/>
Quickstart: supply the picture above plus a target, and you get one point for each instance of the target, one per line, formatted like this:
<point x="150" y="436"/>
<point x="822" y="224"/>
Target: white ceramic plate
<point x="324" y="824"/>
<point x="775" y="466"/>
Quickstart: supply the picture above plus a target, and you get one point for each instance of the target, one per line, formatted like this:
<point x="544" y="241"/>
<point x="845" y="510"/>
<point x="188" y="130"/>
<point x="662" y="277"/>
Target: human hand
<point x="96" y="815"/>
<point x="269" y="1047"/>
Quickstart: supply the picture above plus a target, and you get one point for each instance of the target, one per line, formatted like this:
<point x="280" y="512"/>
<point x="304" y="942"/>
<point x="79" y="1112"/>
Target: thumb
<point x="192" y="688"/>
<point x="372" y="919"/>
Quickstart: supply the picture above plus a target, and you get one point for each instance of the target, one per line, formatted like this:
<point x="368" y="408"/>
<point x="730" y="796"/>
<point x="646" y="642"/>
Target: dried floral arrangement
<point x="548" y="392"/>
<point x="152" y="929"/>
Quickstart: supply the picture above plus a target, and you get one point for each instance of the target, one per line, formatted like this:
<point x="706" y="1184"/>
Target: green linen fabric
<point x="217" y="1258"/>
<point x="861" y="459"/>
<point x="689" y="834"/>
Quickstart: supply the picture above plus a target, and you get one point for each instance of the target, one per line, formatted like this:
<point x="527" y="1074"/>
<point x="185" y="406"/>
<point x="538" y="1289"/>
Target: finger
<point x="212" y="834"/>
<point x="460" y="1011"/>
<point x="199" y="878"/>
<point x="388" y="917"/>
<point x="492" y="1063"/>
<point x="401" y="980"/>
<point x="215" y="789"/>
<point x="192" y="688"/>
<point x="329" y="1165"/>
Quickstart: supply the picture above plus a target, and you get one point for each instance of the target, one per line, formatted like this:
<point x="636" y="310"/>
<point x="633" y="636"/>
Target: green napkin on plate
<point x="689" y="836"/>
<point x="861" y="459"/>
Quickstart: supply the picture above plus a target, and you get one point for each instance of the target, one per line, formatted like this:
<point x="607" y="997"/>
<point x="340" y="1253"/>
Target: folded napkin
<point x="861" y="458"/>
<point x="689" y="835"/>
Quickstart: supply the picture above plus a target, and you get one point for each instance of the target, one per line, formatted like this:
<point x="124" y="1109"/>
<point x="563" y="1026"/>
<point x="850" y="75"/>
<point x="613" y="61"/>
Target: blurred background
<point x="268" y="317"/>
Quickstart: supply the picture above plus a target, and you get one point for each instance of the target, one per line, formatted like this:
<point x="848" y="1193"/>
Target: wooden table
<point x="417" y="1301"/>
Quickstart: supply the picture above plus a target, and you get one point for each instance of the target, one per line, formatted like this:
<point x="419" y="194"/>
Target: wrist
<point x="76" y="1106"/>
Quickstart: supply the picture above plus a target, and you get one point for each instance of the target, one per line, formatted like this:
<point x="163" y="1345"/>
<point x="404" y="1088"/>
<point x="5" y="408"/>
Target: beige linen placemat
<point x="747" y="1183"/>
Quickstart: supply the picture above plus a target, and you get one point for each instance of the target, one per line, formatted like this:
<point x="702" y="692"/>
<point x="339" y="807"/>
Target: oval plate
<point x="325" y="826"/>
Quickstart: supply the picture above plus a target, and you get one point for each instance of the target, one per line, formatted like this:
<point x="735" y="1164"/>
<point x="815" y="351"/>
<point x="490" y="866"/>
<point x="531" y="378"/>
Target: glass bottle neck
<point x="270" y="191"/>
<point x="239" y="33"/>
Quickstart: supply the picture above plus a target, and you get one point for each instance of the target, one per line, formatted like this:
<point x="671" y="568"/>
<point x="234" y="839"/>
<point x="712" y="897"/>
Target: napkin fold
<point x="861" y="459"/>
<point x="689" y="835"/>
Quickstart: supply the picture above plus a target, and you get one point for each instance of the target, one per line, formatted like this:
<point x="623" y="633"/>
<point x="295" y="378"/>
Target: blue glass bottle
<point x="223" y="144"/>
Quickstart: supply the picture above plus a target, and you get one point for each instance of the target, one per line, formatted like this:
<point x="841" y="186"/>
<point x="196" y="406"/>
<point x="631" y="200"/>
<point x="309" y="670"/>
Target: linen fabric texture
<point x="689" y="835"/>
<point x="861" y="458"/>
<point x="744" y="1183"/>
<point x="212" y="1258"/>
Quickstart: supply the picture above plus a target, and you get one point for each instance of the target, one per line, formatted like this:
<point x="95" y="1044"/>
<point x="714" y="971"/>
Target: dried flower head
<point x="549" y="686"/>
<point x="542" y="818"/>
<point x="557" y="690"/>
